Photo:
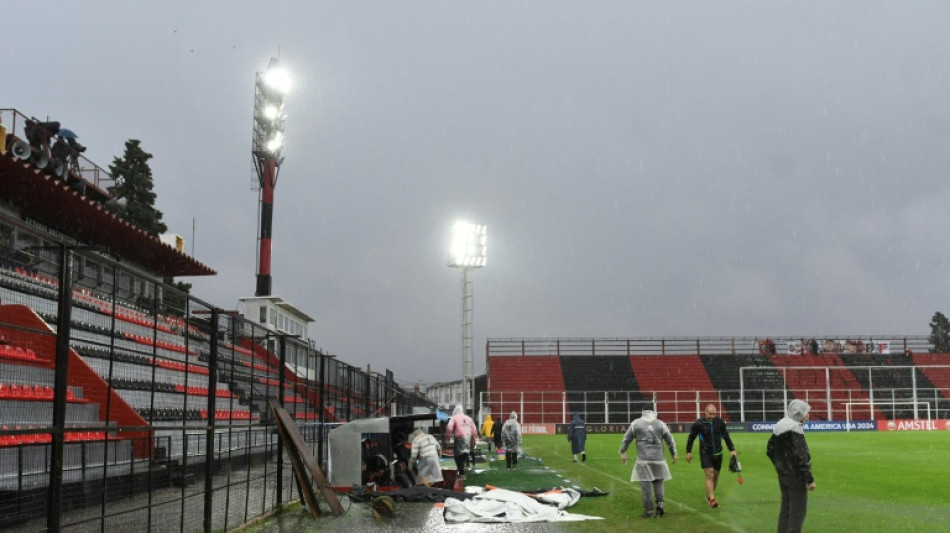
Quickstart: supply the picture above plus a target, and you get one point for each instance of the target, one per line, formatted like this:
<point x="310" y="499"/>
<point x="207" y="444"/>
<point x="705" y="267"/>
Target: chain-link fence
<point x="128" y="404"/>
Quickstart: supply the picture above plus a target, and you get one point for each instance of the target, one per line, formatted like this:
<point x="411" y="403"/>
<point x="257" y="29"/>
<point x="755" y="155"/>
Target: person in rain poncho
<point x="463" y="429"/>
<point x="488" y="431"/>
<point x="789" y="454"/>
<point x="427" y="450"/>
<point x="511" y="436"/>
<point x="577" y="434"/>
<point x="650" y="468"/>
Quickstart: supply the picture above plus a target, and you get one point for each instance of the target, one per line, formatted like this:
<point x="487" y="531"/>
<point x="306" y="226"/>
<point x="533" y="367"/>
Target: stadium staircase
<point x="154" y="371"/>
<point x="26" y="410"/>
<point x="661" y="376"/>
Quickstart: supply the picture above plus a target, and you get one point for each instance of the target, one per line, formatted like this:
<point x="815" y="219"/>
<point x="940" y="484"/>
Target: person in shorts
<point x="711" y="431"/>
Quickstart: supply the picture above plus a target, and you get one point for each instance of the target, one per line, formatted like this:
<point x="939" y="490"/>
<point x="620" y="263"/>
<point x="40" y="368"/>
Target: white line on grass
<point x="683" y="506"/>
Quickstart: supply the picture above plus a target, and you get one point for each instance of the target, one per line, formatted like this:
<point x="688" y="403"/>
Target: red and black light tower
<point x="270" y="88"/>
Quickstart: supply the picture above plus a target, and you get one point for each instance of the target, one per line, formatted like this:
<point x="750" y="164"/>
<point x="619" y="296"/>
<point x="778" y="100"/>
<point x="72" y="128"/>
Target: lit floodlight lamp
<point x="277" y="79"/>
<point x="469" y="245"/>
<point x="275" y="143"/>
<point x="271" y="111"/>
<point x="468" y="252"/>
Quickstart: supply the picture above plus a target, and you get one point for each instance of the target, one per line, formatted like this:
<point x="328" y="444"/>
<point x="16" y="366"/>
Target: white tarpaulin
<point x="500" y="505"/>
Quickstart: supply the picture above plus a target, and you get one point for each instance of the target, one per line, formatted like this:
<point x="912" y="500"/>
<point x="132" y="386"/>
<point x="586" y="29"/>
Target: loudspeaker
<point x="40" y="159"/>
<point x="57" y="168"/>
<point x="21" y="150"/>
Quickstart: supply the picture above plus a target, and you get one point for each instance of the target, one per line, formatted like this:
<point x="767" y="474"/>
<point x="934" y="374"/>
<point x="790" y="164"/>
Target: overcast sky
<point x="644" y="168"/>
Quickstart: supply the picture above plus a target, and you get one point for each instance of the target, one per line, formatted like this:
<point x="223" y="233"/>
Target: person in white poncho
<point x="427" y="450"/>
<point x="511" y="435"/>
<point x="650" y="468"/>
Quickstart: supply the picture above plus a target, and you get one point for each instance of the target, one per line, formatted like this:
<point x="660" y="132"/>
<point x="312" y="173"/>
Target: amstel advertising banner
<point x="914" y="425"/>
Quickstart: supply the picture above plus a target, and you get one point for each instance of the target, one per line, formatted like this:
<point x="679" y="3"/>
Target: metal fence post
<point x="280" y="398"/>
<point x="55" y="496"/>
<point x="209" y="433"/>
<point x="321" y="406"/>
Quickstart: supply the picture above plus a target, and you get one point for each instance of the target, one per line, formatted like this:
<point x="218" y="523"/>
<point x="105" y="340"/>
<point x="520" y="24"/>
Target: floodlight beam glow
<point x="278" y="79"/>
<point x="271" y="111"/>
<point x="469" y="245"/>
<point x="275" y="143"/>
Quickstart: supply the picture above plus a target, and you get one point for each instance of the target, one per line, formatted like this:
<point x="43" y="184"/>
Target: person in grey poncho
<point x="650" y="468"/>
<point x="511" y="435"/>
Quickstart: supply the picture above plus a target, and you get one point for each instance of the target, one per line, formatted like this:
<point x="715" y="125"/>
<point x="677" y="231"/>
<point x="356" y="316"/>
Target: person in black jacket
<point x="711" y="431"/>
<point x="789" y="454"/>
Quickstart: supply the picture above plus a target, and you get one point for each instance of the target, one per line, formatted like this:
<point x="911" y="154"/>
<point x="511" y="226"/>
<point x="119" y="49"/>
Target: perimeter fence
<point x="127" y="404"/>
<point x="684" y="406"/>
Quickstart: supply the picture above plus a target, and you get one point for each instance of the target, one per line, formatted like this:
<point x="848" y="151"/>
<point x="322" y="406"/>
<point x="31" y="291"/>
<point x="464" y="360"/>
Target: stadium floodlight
<point x="469" y="245"/>
<point x="275" y="143"/>
<point x="277" y="78"/>
<point x="468" y="252"/>
<point x="271" y="111"/>
<point x="268" y="142"/>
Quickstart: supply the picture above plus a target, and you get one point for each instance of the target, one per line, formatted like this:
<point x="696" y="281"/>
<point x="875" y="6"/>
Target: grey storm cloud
<point x="644" y="169"/>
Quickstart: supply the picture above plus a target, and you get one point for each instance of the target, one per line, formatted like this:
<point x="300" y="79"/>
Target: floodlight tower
<point x="269" y="91"/>
<point x="469" y="244"/>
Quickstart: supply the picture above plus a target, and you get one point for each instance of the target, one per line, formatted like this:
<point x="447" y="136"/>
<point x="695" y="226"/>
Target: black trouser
<point x="461" y="459"/>
<point x="511" y="458"/>
<point x="794" y="504"/>
<point x="460" y="451"/>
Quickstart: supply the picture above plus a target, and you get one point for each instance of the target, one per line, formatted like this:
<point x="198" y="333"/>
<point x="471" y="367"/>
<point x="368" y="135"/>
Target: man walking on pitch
<point x="711" y="431"/>
<point x="650" y="469"/>
<point x="511" y="435"/>
<point x="577" y="434"/>
<point x="789" y="454"/>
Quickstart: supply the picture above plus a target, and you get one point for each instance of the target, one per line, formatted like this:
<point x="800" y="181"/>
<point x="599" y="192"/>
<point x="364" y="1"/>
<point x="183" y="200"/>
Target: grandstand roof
<point x="52" y="202"/>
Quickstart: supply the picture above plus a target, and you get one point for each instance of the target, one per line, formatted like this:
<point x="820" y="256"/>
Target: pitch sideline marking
<point x="704" y="516"/>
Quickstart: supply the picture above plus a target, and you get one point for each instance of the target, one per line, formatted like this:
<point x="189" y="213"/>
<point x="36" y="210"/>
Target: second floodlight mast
<point x="269" y="90"/>
<point x="468" y="252"/>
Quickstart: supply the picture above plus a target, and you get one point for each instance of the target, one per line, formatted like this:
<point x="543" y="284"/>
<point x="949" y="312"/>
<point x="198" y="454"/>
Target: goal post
<point x="881" y="403"/>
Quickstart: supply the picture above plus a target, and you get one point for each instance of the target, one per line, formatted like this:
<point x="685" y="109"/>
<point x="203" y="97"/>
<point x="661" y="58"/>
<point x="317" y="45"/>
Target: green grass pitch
<point x="866" y="482"/>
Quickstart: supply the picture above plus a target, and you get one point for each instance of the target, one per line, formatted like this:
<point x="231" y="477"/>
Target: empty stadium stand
<point x="678" y="384"/>
<point x="936" y="367"/>
<point x="602" y="387"/>
<point x="530" y="385"/>
<point x="807" y="378"/>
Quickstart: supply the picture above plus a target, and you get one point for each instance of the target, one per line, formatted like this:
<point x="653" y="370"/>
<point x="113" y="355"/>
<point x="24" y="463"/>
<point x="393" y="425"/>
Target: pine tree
<point x="940" y="333"/>
<point x="133" y="182"/>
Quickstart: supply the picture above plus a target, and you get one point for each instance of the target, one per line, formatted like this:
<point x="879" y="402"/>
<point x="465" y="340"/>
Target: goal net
<point x="849" y="407"/>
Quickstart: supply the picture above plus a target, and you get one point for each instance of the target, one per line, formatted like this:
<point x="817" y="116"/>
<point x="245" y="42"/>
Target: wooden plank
<point x="296" y="440"/>
<point x="300" y="474"/>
